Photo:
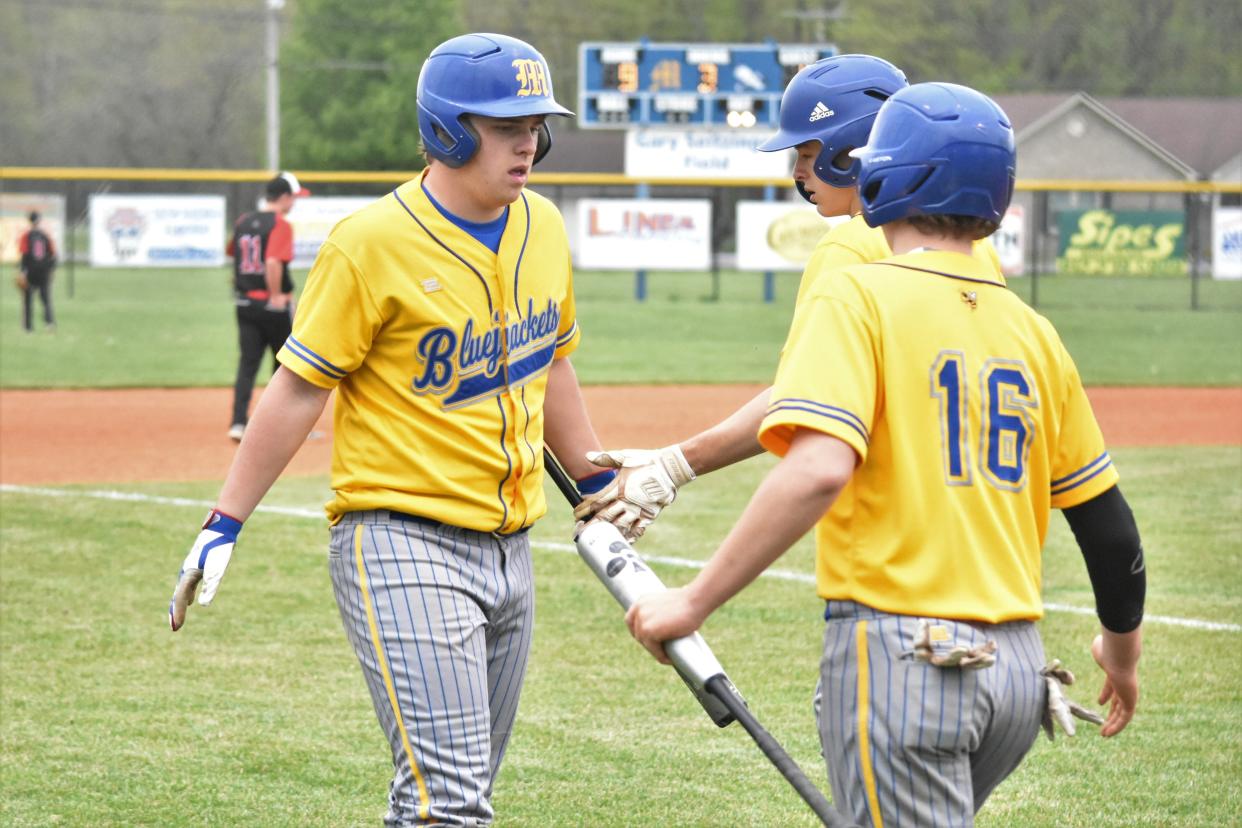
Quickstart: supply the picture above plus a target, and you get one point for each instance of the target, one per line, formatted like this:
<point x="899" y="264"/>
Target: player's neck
<point x="904" y="237"/>
<point x="454" y="194"/>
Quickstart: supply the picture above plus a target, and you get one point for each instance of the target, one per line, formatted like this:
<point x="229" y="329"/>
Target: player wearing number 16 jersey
<point x="928" y="421"/>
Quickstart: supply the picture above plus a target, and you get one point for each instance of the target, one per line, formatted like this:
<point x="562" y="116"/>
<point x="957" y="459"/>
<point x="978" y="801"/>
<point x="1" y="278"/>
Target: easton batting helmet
<point x="481" y="74"/>
<point x="937" y="149"/>
<point x="835" y="101"/>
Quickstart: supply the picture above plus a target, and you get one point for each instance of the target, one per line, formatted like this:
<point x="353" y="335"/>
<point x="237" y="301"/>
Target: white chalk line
<point x="688" y="563"/>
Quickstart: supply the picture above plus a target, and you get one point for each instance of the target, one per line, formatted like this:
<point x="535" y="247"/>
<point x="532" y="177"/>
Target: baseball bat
<point x="606" y="551"/>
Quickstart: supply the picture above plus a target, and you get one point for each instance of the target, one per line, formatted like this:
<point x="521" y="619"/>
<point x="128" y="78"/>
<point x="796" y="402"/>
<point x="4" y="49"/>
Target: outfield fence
<point x="1082" y="243"/>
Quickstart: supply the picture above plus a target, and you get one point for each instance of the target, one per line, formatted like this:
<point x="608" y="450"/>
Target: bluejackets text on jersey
<point x="466" y="366"/>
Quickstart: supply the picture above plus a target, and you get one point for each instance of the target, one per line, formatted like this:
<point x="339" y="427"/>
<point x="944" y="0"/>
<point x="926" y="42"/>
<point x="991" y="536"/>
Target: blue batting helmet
<point x="480" y="74"/>
<point x="937" y="149"/>
<point x="834" y="101"/>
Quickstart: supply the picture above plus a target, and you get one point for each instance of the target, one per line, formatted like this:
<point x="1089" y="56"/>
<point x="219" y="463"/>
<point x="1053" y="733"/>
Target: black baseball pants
<point x="258" y="331"/>
<point x="37" y="281"/>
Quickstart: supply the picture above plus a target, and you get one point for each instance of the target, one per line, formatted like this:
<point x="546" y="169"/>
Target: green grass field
<point x="170" y="328"/>
<point x="255" y="714"/>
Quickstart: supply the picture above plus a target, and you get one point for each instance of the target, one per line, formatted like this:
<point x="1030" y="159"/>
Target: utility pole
<point x="819" y="17"/>
<point x="273" y="83"/>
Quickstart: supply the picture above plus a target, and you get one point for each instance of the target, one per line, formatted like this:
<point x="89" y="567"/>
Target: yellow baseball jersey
<point x="439" y="352"/>
<point x="970" y="423"/>
<point x="853" y="242"/>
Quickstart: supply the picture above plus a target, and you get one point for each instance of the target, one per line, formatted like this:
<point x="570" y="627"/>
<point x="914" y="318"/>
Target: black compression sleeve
<point x="1109" y="539"/>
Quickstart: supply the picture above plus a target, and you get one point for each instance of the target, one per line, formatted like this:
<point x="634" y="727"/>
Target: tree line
<point x="153" y="83"/>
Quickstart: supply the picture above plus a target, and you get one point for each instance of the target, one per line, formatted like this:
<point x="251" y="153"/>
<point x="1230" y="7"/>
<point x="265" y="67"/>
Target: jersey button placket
<point x="519" y="507"/>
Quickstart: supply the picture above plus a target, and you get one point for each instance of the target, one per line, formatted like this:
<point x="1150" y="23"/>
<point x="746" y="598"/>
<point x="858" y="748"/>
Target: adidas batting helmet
<point x="937" y="149"/>
<point x="480" y="74"/>
<point x="834" y="101"/>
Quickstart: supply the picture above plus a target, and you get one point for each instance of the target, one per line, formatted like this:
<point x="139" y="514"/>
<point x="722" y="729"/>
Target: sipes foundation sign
<point x="1122" y="243"/>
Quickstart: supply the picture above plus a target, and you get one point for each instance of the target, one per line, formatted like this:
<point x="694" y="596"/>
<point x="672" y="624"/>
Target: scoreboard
<point x="687" y="84"/>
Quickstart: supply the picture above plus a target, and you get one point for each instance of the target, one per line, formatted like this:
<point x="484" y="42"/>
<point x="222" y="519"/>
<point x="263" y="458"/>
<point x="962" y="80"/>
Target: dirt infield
<point x="115" y="436"/>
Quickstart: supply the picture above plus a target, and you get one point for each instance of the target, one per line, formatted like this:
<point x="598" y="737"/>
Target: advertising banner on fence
<point x="637" y="234"/>
<point x="702" y="153"/>
<point x="157" y="231"/>
<point x="313" y="218"/>
<point x="778" y="235"/>
<point x="1122" y="242"/>
<point x="1010" y="241"/>
<point x="15" y="210"/>
<point x="1227" y="243"/>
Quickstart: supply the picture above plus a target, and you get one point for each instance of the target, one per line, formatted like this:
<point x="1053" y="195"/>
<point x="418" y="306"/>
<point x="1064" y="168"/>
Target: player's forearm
<point x="274" y="274"/>
<point x="287" y="411"/>
<point x="791" y="499"/>
<point x="567" y="427"/>
<point x="1122" y="650"/>
<point x="730" y="441"/>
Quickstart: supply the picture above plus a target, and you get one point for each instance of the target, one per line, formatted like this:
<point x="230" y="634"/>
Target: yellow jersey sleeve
<point x="335" y="323"/>
<point x="567" y="334"/>
<point x="831" y="321"/>
<point x="1081" y="467"/>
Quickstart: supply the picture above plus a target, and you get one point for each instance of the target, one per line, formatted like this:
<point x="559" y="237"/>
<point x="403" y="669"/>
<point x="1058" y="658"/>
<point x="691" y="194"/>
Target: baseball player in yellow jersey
<point x="928" y="455"/>
<point x="443" y="316"/>
<point x="826" y="111"/>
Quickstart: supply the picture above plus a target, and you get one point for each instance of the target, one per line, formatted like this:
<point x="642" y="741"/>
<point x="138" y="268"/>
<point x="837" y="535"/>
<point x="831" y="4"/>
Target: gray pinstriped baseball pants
<point x="441" y="621"/>
<point x="922" y="745"/>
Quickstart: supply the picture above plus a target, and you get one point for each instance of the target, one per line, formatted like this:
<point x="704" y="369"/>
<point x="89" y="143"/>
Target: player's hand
<point x="278" y="303"/>
<point x="1060" y="709"/>
<point x="1120" y="665"/>
<point x="662" y="616"/>
<point x="646" y="482"/>
<point x="205" y="564"/>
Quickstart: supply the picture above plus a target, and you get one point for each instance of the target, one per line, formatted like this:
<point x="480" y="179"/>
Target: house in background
<point x="1082" y="138"/>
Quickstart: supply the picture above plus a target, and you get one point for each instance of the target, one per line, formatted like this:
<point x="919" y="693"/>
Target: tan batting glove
<point x="1061" y="709"/>
<point x="647" y="481"/>
<point x="933" y="645"/>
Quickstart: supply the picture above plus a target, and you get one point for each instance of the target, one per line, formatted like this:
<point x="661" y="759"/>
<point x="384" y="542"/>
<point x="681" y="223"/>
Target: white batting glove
<point x="205" y="563"/>
<point x="1060" y="709"/>
<point x="646" y="482"/>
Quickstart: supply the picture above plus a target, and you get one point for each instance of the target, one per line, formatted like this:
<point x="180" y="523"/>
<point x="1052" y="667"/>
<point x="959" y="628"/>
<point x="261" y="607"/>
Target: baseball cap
<point x="285" y="184"/>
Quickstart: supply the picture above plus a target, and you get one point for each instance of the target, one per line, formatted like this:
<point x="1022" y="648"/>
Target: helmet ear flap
<point x="543" y="143"/>
<point x="470" y="138"/>
<point x="452" y="147"/>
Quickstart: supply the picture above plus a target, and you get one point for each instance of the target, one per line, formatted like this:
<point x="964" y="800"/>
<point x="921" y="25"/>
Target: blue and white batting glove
<point x="206" y="563"/>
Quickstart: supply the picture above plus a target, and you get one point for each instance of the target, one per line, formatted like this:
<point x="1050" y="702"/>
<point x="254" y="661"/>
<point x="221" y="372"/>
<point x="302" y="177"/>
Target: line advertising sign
<point x="1122" y="243"/>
